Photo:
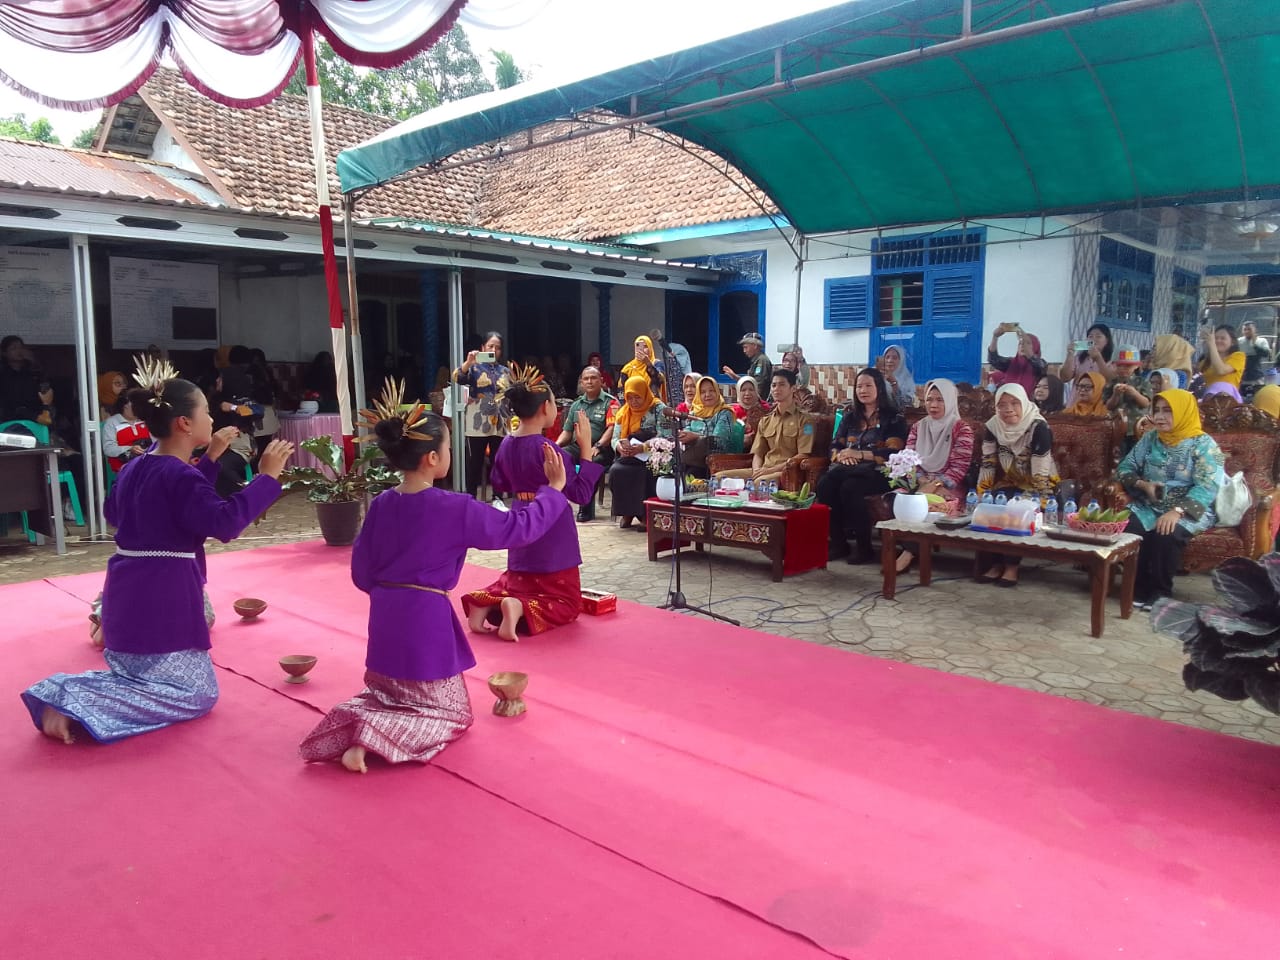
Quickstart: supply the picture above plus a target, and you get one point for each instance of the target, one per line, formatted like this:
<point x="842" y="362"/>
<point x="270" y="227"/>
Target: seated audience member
<point x="944" y="443"/>
<point x="1096" y="359"/>
<point x="1223" y="388"/>
<point x="896" y="368"/>
<point x="265" y="392"/>
<point x="1173" y="353"/>
<point x="749" y="409"/>
<point x="1222" y="361"/>
<point x="794" y="360"/>
<point x="1026" y="366"/>
<point x="1129" y="393"/>
<point x="711" y="429"/>
<point x="124" y="433"/>
<point x="606" y="378"/>
<point x="638" y="421"/>
<point x="25" y="394"/>
<point x="1049" y="394"/>
<point x="1268" y="400"/>
<point x="110" y="385"/>
<point x="1017" y="459"/>
<point x="601" y="411"/>
<point x="1172" y="477"/>
<point x="872" y="428"/>
<point x="1163" y="379"/>
<point x="1088" y="396"/>
<point x="689" y="390"/>
<point x="785" y="431"/>
<point x="229" y="407"/>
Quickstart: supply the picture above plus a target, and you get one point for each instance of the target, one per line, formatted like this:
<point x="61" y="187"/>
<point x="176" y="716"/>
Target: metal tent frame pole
<point x="94" y="493"/>
<point x="458" y="427"/>
<point x="353" y="307"/>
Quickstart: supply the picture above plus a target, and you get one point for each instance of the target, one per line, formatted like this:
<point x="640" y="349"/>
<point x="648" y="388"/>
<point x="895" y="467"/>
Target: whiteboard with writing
<point x="36" y="301"/>
<point x="163" y="302"/>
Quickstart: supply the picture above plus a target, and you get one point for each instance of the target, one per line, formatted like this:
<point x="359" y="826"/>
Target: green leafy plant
<point x="338" y="483"/>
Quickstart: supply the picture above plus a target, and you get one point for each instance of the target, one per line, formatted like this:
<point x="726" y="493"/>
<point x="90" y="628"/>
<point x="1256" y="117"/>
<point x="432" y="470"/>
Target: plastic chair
<point x="41" y="433"/>
<point x="248" y="473"/>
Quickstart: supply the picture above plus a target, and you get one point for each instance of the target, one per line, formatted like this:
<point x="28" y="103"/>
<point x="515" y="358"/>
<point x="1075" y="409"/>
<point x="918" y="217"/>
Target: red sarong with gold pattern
<point x="548" y="599"/>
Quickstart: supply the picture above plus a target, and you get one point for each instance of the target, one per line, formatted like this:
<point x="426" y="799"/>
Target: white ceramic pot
<point x="309" y="406"/>
<point x="666" y="488"/>
<point x="911" y="507"/>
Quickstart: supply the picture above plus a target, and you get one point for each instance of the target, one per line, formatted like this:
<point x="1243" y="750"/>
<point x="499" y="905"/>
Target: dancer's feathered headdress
<point x="152" y="374"/>
<point x="529" y="375"/>
<point x="390" y="406"/>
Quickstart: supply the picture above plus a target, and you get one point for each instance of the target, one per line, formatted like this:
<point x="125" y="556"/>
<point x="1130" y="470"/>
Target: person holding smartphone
<point x="1091" y="355"/>
<point x="487" y="378"/>
<point x="1221" y="361"/>
<point x="1026" y="366"/>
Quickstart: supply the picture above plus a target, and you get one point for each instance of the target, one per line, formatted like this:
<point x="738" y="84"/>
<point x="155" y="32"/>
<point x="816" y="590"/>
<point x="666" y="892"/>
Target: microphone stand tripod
<point x="675" y="598"/>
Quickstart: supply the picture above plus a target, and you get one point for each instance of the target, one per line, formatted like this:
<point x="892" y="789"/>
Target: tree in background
<point x="448" y="71"/>
<point x="505" y="72"/>
<point x="17" y="127"/>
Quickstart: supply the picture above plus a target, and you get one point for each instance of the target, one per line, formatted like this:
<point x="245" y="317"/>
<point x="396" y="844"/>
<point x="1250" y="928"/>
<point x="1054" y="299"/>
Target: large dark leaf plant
<point x="1233" y="646"/>
<point x="338" y="483"/>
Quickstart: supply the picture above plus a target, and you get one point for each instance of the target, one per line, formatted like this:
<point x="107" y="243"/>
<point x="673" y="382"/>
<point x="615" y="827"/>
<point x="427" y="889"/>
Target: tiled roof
<point x="600" y="187"/>
<point x="261" y="158"/>
<point x="43" y="166"/>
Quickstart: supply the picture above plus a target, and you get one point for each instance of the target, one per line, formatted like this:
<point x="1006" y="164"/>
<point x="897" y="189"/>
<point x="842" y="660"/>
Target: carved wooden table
<point x="794" y="540"/>
<point x="1099" y="559"/>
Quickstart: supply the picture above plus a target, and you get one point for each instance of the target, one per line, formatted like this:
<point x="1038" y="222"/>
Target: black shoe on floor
<point x="586" y="516"/>
<point x="837" y="549"/>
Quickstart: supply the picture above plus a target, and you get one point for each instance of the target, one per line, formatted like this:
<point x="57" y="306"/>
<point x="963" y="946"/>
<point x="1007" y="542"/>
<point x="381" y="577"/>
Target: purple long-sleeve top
<point x="517" y="468"/>
<point x="422" y="538"/>
<point x="155" y="604"/>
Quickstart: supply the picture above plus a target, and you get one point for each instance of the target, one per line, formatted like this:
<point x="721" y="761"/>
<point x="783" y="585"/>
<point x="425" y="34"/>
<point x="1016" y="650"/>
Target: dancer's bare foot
<point x="904" y="561"/>
<point x="95" y="635"/>
<point x="477" y="621"/>
<point x="511" y="611"/>
<point x="353" y="760"/>
<point x="56" y="725"/>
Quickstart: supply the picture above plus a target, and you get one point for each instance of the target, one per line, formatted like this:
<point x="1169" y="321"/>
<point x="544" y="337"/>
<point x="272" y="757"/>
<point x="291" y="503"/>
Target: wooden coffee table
<point x="794" y="540"/>
<point x="1099" y="559"/>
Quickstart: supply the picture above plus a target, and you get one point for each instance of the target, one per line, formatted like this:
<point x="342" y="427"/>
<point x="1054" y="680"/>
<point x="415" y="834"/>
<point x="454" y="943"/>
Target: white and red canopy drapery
<point x="82" y="54"/>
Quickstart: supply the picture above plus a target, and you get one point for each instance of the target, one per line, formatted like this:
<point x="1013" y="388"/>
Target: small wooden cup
<point x="508" y="688"/>
<point x="297" y="666"/>
<point x="249" y="607"/>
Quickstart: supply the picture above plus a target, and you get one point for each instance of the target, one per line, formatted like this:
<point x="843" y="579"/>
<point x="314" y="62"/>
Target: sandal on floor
<point x="624" y="522"/>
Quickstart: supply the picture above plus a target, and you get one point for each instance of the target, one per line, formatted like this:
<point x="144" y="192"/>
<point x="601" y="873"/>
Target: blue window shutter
<point x="847" y="304"/>
<point x="952" y="296"/>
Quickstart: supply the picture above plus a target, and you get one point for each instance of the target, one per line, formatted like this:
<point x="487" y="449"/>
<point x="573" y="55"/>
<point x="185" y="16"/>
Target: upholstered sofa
<point x="800" y="469"/>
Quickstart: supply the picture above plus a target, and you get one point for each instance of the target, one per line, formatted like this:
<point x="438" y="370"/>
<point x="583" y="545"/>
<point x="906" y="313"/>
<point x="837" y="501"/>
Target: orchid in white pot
<point x="903" y="470"/>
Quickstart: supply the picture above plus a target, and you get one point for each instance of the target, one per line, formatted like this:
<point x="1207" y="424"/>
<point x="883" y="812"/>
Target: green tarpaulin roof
<point x="1047" y="107"/>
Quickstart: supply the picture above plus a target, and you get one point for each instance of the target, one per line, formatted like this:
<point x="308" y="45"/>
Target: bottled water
<point x="971" y="503"/>
<point x="1001" y="500"/>
<point x="772" y="487"/>
<point x="1069" y="508"/>
<point x="750" y="490"/>
<point x="1051" y="512"/>
<point x="1093" y="506"/>
<point x="987" y="498"/>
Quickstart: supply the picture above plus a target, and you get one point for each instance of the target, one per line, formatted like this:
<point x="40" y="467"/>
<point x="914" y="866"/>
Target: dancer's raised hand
<point x="275" y="457"/>
<point x="553" y="466"/>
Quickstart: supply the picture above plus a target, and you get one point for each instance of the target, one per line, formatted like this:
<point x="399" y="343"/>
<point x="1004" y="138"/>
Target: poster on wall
<point x="168" y="303"/>
<point x="36" y="301"/>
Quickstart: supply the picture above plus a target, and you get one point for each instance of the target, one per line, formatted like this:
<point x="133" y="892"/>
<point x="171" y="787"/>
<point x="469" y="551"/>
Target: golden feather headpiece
<point x="152" y="373"/>
<point x="527" y="374"/>
<point x="391" y="406"/>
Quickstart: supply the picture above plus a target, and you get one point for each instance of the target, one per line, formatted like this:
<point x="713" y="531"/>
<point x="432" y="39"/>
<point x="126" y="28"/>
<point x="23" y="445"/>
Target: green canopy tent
<point x="880" y="113"/>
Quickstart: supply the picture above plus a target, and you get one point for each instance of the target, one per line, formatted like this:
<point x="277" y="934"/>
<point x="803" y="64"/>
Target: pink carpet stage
<point x="678" y="788"/>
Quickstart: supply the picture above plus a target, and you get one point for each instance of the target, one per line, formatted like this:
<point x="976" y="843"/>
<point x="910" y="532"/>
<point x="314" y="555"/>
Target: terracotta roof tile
<point x="603" y="186"/>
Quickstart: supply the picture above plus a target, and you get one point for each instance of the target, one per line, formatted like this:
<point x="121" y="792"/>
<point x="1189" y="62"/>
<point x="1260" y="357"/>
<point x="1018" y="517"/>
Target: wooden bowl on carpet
<point x="249" y="607"/>
<point x="297" y="666"/>
<point x="508" y="688"/>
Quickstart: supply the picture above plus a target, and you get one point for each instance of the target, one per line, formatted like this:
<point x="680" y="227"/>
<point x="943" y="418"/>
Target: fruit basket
<point x="1097" y="526"/>
<point x="789" y="504"/>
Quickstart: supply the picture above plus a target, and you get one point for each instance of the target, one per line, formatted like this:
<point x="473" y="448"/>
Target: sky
<point x="577" y="36"/>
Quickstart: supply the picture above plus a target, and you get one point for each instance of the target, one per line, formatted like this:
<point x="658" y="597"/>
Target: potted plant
<point x="662" y="465"/>
<point x="903" y="470"/>
<point x="338" y="490"/>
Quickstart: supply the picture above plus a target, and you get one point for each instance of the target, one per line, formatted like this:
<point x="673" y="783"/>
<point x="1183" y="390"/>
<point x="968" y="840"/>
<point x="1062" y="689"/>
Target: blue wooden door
<point x="952" y="326"/>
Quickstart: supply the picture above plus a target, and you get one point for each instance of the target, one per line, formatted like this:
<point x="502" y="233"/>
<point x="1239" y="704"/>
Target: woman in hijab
<point x="1172" y="352"/>
<point x="896" y="368"/>
<point x="1088" y="396"/>
<point x="1049" y="394"/>
<point x="1165" y="378"/>
<point x="1017" y="459"/>
<point x="1172" y="476"/>
<point x="689" y="388"/>
<point x="642" y="364"/>
<point x="1268" y="400"/>
<point x="1025" y="367"/>
<point x="1095" y="359"/>
<point x="944" y="443"/>
<point x="637" y="423"/>
<point x="711" y="429"/>
<point x="110" y="385"/>
<point x="1221" y="386"/>
<point x="749" y="408"/>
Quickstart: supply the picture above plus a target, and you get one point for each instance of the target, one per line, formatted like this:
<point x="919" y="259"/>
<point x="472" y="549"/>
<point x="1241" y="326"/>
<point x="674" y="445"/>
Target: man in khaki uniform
<point x="784" y="432"/>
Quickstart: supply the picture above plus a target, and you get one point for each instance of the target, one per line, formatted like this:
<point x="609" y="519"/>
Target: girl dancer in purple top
<point x="408" y="557"/>
<point x="164" y="509"/>
<point x="540" y="588"/>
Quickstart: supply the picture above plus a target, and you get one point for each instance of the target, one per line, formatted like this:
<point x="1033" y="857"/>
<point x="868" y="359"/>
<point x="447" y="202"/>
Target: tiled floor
<point x="1035" y="637"/>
